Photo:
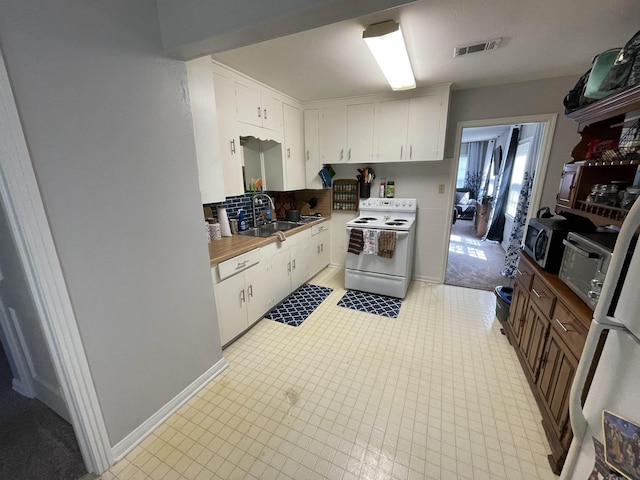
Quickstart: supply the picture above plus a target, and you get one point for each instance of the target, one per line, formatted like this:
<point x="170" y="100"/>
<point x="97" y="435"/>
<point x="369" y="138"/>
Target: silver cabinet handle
<point x="322" y="247"/>
<point x="410" y="152"/>
<point x="242" y="264"/>
<point x="566" y="330"/>
<point x="308" y="158"/>
<point x="318" y="249"/>
<point x="288" y="152"/>
<point x="265" y="113"/>
<point x="289" y="267"/>
<point x="400" y="152"/>
<point x="242" y="297"/>
<point x="232" y="142"/>
<point x="293" y="264"/>
<point x="519" y="272"/>
<point x="535" y="293"/>
<point x="341" y="153"/>
<point x="250" y="291"/>
<point x="259" y="112"/>
<point x="349" y="157"/>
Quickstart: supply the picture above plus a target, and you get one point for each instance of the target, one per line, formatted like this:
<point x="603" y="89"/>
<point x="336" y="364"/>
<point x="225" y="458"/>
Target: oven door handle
<point x="574" y="246"/>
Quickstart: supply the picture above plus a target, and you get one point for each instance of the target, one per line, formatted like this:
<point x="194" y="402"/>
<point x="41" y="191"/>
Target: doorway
<point x="495" y="191"/>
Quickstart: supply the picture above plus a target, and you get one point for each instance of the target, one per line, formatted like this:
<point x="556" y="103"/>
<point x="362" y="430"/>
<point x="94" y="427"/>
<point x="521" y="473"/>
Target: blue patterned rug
<point x="371" y="303"/>
<point x="299" y="305"/>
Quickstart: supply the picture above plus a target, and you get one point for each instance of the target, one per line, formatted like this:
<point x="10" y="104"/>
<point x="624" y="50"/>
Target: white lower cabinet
<point x="244" y="295"/>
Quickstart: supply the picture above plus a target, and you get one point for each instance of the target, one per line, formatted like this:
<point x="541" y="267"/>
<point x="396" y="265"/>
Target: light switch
<point x="441" y="188"/>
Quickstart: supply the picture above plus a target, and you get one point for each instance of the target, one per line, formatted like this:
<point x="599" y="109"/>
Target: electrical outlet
<point x="441" y="188"/>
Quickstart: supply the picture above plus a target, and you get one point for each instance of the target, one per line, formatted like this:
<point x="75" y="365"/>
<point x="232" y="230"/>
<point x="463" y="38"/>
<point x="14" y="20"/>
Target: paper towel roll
<point x="216" y="232"/>
<point x="225" y="229"/>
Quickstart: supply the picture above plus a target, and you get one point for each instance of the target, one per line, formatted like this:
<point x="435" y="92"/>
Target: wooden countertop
<point x="229" y="247"/>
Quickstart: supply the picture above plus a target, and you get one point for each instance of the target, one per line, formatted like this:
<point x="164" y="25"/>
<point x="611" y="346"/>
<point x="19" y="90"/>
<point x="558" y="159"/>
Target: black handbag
<point x="625" y="71"/>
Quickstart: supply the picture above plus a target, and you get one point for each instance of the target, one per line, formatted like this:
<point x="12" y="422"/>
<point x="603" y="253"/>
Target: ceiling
<point x="540" y="39"/>
<point x="481" y="134"/>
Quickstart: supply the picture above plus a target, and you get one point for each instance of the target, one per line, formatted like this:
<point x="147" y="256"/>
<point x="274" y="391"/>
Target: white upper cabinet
<point x="258" y="108"/>
<point x="360" y="132"/>
<point x="427" y="125"/>
<point x="293" y="149"/>
<point x="312" y="148"/>
<point x="391" y="131"/>
<point x="333" y="134"/>
<point x="230" y="150"/>
<point x="205" y="130"/>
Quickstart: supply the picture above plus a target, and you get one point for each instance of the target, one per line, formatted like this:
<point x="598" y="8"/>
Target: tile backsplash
<point x="233" y="204"/>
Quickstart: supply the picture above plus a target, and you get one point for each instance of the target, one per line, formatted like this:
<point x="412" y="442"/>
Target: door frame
<point x="549" y="120"/>
<point x="29" y="225"/>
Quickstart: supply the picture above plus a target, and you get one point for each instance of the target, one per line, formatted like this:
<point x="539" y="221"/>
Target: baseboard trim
<point x="132" y="440"/>
<point x="19" y="387"/>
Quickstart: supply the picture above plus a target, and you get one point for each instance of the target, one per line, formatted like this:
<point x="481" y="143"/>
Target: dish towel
<point x="386" y="243"/>
<point x="370" y="242"/>
<point x="356" y="241"/>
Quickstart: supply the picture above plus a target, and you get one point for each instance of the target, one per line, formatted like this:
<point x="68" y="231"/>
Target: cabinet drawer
<point x="238" y="264"/>
<point x="569" y="329"/>
<point x="542" y="297"/>
<point x="322" y="227"/>
<point x="524" y="274"/>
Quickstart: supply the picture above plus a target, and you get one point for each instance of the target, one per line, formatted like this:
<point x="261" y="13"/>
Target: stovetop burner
<point x="394" y="223"/>
<point x="401" y="220"/>
<point x="368" y="218"/>
<point x="360" y="221"/>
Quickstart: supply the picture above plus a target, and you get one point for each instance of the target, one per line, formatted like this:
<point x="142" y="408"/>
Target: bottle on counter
<point x="242" y="222"/>
<point x="383" y="186"/>
<point x="391" y="189"/>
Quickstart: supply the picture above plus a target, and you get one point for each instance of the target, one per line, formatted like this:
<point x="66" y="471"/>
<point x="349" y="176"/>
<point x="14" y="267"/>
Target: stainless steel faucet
<point x="253" y="205"/>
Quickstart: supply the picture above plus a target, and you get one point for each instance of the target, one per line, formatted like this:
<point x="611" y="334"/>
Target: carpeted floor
<point x="473" y="263"/>
<point x="35" y="443"/>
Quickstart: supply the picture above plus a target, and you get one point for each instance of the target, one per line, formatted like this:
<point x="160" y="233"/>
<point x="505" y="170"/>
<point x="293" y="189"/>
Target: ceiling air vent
<point x="477" y="47"/>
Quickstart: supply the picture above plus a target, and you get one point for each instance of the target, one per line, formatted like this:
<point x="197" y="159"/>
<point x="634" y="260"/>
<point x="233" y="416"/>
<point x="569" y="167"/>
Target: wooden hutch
<point x="547" y="322"/>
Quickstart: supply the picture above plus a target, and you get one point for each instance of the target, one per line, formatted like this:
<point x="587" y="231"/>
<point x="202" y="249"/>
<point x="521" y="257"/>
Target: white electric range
<point x="375" y="274"/>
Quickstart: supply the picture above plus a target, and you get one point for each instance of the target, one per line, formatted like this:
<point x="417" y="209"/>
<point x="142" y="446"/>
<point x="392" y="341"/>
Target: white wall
<point x="107" y="122"/>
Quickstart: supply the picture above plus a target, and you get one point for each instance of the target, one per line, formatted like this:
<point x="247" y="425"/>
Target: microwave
<point x="585" y="263"/>
<point x="543" y="241"/>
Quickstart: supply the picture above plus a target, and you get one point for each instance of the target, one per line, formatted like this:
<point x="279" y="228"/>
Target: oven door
<point x="583" y="269"/>
<point x="396" y="266"/>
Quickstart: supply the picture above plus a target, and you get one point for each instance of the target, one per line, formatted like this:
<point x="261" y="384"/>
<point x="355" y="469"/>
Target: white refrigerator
<point x="616" y="383"/>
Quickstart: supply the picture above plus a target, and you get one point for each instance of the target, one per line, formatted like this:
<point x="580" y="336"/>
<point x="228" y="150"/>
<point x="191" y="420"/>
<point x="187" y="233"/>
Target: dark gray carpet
<point x="35" y="443"/>
<point x="473" y="263"/>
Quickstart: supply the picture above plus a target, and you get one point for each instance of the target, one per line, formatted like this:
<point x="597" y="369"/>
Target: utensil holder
<point x="365" y="190"/>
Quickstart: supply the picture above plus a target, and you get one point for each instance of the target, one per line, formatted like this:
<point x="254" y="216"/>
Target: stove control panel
<point x="407" y="204"/>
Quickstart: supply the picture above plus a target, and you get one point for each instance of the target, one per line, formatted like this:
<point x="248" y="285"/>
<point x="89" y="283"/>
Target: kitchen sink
<point x="269" y="229"/>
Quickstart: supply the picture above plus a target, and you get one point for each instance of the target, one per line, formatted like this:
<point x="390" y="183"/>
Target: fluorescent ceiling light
<point x="387" y="46"/>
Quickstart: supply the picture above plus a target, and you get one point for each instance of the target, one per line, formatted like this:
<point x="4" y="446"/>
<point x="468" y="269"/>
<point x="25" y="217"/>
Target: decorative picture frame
<point x="621" y="445"/>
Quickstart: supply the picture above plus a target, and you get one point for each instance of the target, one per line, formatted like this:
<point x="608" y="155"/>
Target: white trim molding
<point x="129" y="442"/>
<point x="25" y="209"/>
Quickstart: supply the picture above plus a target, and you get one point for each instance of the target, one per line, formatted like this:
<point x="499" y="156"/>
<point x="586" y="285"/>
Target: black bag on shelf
<point x="625" y="72"/>
<point x="575" y="99"/>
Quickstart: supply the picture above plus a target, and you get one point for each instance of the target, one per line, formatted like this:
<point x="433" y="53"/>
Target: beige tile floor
<point x="437" y="393"/>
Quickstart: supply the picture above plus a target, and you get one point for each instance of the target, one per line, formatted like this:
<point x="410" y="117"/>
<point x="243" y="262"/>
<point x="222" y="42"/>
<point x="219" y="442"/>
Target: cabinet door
<point x="248" y="104"/>
<point x="231" y="304"/>
<point x="280" y="276"/>
<point x="554" y="385"/>
<point x="535" y="330"/>
<point x="294" y="171"/>
<point x="300" y="263"/>
<point x="360" y="132"/>
<point x="318" y="244"/>
<point x="333" y="134"/>
<point x="229" y="148"/>
<point x="313" y="164"/>
<point x="271" y="112"/>
<point x="425" y="134"/>
<point x="391" y="131"/>
<point x="258" y="293"/>
<point x="567" y="192"/>
<point x="205" y="130"/>
<point x="518" y="311"/>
